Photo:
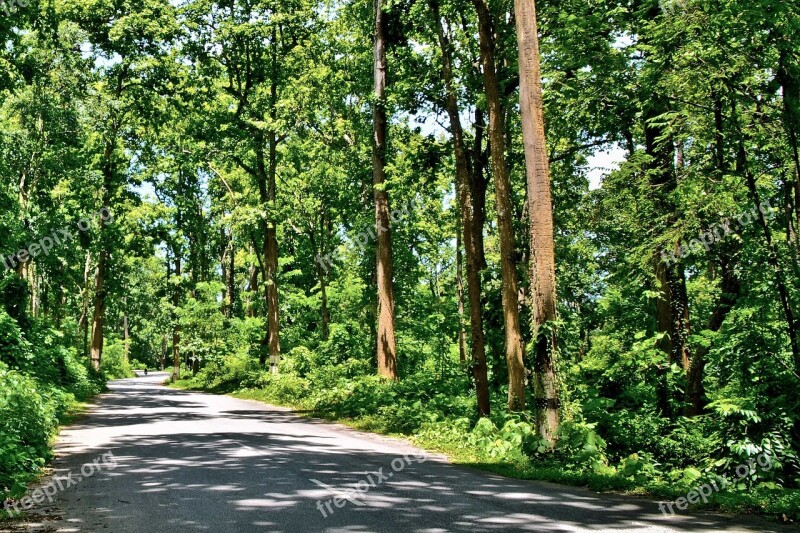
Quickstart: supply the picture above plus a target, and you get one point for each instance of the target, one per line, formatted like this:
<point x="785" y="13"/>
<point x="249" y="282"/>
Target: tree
<point x="468" y="229"/>
<point x="129" y="81"/>
<point x="540" y="213"/>
<point x="387" y="346"/>
<point x="511" y="321"/>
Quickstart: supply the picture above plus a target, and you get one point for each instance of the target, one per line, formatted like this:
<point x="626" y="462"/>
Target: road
<point x="160" y="459"/>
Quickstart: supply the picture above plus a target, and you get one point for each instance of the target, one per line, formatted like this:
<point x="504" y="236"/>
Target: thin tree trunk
<point x="729" y="286"/>
<point x="511" y="322"/>
<point x="540" y="213"/>
<point x="270" y="344"/>
<point x="126" y="334"/>
<point x="468" y="230"/>
<point x="231" y="280"/>
<point x="176" y="329"/>
<point x="792" y="323"/>
<point x="478" y="184"/>
<point x="253" y="292"/>
<point x="164" y="346"/>
<point x="33" y="281"/>
<point x="98" y="319"/>
<point x="322" y="278"/>
<point x="386" y="343"/>
<point x="100" y="291"/>
<point x="462" y="333"/>
<point x="271" y="259"/>
<point x="672" y="307"/>
<point x="223" y="263"/>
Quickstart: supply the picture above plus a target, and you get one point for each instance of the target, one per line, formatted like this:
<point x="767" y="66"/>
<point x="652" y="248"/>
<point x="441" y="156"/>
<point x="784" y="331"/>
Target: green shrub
<point x="15" y="350"/>
<point x="28" y="419"/>
<point x="114" y="365"/>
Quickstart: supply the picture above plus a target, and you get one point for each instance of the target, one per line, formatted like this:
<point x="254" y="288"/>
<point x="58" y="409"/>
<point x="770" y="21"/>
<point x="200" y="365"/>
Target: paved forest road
<point x="196" y="462"/>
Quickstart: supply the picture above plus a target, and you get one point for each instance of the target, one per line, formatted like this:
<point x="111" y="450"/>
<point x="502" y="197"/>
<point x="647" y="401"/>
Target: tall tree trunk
<point x="83" y="320"/>
<point x="176" y="328"/>
<point x="266" y="172"/>
<point x="164" y="345"/>
<point x="100" y="291"/>
<point x="468" y="223"/>
<point x="540" y="213"/>
<point x="223" y="263"/>
<point x="386" y="343"/>
<point x="513" y="332"/>
<point x="35" y="296"/>
<point x="271" y="259"/>
<point x="729" y="285"/>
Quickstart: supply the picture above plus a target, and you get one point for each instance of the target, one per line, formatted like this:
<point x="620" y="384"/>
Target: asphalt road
<point x="159" y="459"/>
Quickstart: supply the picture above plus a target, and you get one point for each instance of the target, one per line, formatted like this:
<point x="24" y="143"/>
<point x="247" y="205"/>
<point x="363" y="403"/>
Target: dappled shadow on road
<point x="185" y="465"/>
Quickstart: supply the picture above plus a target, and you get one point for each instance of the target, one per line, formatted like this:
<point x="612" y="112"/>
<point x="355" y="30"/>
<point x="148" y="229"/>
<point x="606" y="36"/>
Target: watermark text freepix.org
<point x="762" y="460"/>
<point x="56" y="237"/>
<point x="366" y="236"/>
<point x="718" y="232"/>
<point x="107" y="461"/>
<point x="373" y="479"/>
<point x="7" y="7"/>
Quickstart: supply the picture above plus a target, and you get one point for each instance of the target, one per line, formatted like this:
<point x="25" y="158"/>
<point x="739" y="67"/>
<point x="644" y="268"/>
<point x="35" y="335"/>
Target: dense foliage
<point x="41" y="379"/>
<point x="209" y="171"/>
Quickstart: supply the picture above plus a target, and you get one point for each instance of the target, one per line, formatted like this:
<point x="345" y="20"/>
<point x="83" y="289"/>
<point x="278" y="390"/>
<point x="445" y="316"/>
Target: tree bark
<point x="83" y="320"/>
<point x="266" y="173"/>
<point x="100" y="291"/>
<point x="126" y="334"/>
<point x="231" y="280"/>
<point x="462" y="333"/>
<point x="468" y="223"/>
<point x="540" y="213"/>
<point x="477" y="185"/>
<point x="386" y="343"/>
<point x="98" y="319"/>
<point x="227" y="304"/>
<point x="176" y="329"/>
<point x="271" y="259"/>
<point x="511" y="322"/>
<point x="253" y="292"/>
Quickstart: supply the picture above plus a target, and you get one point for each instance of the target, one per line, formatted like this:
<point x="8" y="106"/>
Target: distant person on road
<point x="145" y="371"/>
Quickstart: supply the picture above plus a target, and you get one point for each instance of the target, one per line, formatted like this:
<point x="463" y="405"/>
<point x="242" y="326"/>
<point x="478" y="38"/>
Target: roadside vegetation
<point x="43" y="383"/>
